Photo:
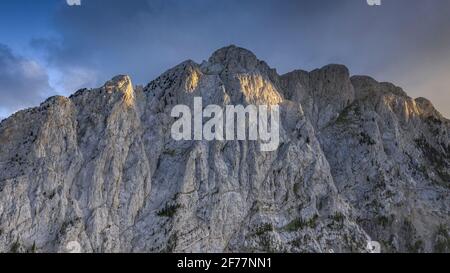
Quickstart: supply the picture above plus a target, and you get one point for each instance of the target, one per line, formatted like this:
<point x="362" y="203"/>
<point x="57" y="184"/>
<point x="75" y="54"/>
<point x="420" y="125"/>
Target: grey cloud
<point x="23" y="82"/>
<point x="145" y="37"/>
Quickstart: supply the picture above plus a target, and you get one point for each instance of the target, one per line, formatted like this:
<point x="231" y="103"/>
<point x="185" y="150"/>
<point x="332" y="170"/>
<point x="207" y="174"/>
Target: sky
<point x="50" y="48"/>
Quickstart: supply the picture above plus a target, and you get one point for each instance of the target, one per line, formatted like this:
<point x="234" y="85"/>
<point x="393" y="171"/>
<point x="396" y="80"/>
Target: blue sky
<point x="48" y="47"/>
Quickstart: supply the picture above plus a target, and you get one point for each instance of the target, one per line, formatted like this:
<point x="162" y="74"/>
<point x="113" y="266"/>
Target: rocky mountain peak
<point x="338" y="71"/>
<point x="357" y="164"/>
<point x="233" y="59"/>
<point x="233" y="56"/>
<point x="122" y="84"/>
<point x="367" y="86"/>
<point x="426" y="108"/>
<point x="323" y="93"/>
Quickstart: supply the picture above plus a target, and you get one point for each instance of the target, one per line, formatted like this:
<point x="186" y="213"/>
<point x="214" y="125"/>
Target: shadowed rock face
<point x="358" y="160"/>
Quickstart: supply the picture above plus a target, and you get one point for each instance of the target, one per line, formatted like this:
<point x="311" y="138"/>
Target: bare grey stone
<point x="358" y="161"/>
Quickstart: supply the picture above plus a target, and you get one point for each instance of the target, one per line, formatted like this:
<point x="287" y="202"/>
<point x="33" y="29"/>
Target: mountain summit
<point x="358" y="161"/>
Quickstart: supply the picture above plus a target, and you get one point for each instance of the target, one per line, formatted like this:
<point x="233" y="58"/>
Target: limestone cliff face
<point x="358" y="161"/>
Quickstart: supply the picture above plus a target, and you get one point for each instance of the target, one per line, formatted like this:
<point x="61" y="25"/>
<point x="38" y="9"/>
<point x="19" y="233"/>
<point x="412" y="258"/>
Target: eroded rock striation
<point x="358" y="161"/>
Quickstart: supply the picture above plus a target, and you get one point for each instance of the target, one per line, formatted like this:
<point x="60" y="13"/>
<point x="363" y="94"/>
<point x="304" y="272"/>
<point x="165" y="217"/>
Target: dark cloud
<point x="401" y="41"/>
<point x="23" y="82"/>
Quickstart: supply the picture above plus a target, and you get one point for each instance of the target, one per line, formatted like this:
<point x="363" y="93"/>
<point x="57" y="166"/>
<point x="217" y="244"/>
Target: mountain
<point x="358" y="161"/>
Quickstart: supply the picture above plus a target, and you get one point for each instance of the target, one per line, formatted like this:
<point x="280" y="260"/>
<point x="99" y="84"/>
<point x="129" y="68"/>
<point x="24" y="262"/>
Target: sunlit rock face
<point x="358" y="161"/>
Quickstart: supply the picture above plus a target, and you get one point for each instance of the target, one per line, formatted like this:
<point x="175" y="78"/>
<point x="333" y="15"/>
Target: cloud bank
<point x="23" y="82"/>
<point x="406" y="42"/>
